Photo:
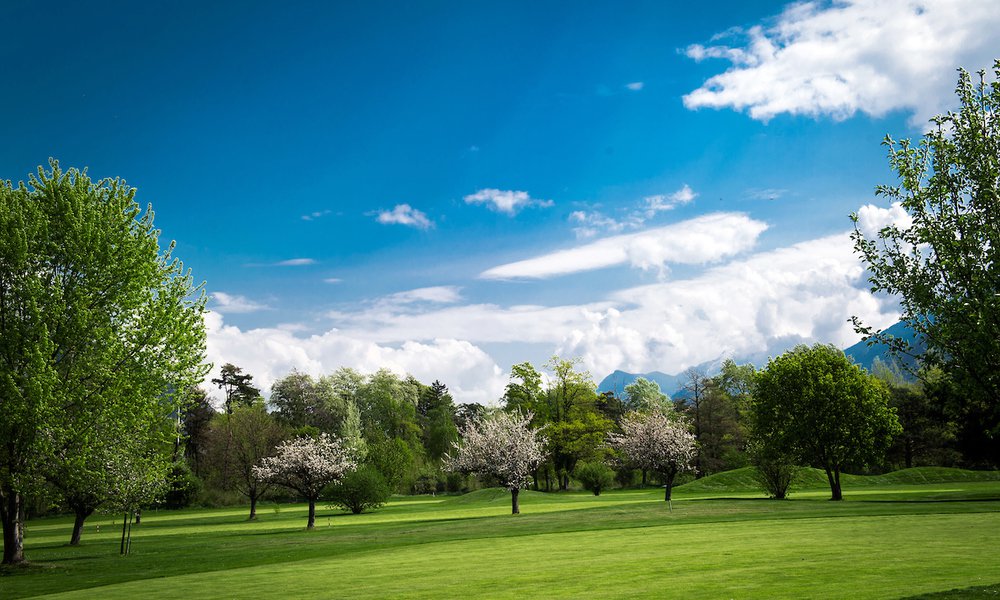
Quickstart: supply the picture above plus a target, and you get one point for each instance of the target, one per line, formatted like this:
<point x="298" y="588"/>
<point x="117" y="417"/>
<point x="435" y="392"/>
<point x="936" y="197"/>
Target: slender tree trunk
<point x="515" y="508"/>
<point x="125" y="521"/>
<point x="138" y="517"/>
<point x="12" y="515"/>
<point x="82" y="511"/>
<point x="833" y="476"/>
<point x="644" y="478"/>
<point x="669" y="487"/>
<point x="312" y="514"/>
<point x="253" y="507"/>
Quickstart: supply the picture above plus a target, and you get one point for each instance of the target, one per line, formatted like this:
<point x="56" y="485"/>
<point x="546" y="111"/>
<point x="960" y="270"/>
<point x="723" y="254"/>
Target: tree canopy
<point x="941" y="257"/>
<point x="98" y="323"/>
<point x="813" y="404"/>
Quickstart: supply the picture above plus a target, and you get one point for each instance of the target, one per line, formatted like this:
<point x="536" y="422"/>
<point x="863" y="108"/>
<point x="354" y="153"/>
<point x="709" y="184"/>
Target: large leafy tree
<point x="942" y="257"/>
<point x="503" y="446"/>
<point x="97" y="323"/>
<point x="815" y="405"/>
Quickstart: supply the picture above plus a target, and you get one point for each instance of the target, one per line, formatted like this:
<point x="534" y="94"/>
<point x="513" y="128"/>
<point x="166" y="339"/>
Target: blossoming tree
<point x="501" y="445"/>
<point x="307" y="465"/>
<point x="656" y="441"/>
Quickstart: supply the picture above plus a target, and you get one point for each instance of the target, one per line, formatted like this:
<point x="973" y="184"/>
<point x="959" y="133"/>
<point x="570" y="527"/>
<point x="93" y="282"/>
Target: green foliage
<point x="813" y="405"/>
<point x="364" y="489"/>
<point x="394" y="460"/>
<point x="100" y="328"/>
<point x="183" y="486"/>
<point x="299" y="401"/>
<point x="236" y="386"/>
<point x="594" y="476"/>
<point x="644" y="395"/>
<point x="943" y="260"/>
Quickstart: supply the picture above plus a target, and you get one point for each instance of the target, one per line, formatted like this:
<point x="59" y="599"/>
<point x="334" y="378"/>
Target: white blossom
<point x="501" y="445"/>
<point x="307" y="465"/>
<point x="656" y="441"/>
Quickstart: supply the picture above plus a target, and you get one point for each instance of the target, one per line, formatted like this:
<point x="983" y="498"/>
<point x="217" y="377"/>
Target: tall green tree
<point x="436" y="418"/>
<point x="237" y="387"/>
<point x="813" y="404"/>
<point x="95" y="319"/>
<point x="645" y="395"/>
<point x="943" y="259"/>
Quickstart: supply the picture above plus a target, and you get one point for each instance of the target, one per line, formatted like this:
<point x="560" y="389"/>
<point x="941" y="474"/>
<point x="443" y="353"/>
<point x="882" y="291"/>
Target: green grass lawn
<point x="918" y="532"/>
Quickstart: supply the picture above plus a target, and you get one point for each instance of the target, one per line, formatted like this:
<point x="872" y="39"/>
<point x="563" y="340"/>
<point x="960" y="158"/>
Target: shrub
<point x="183" y="486"/>
<point x="595" y="476"/>
<point x="360" y="490"/>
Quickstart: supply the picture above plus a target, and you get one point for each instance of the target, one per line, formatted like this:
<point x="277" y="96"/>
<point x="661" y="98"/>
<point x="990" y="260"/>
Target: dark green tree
<point x="943" y="260"/>
<point x="97" y="323"/>
<point x="235" y="384"/>
<point x="813" y="404"/>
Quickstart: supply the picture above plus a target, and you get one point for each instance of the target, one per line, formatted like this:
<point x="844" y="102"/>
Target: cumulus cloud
<point x="232" y="303"/>
<point x="839" y="58"/>
<point x="872" y="219"/>
<point x="696" y="241"/>
<point x="271" y="353"/>
<point x="508" y="202"/>
<point x="404" y="214"/>
<point x="751" y="307"/>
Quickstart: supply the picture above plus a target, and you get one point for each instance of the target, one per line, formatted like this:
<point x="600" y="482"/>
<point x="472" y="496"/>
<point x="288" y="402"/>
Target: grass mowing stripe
<point x="815" y="558"/>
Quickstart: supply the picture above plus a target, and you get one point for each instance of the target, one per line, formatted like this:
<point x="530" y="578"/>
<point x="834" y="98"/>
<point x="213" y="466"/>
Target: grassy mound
<point x="497" y="495"/>
<point x="741" y="481"/>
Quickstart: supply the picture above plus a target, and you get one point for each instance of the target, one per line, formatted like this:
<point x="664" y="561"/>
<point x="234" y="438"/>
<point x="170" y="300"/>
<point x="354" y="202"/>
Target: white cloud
<point x="404" y="214"/>
<point x="231" y="303"/>
<point x="872" y="219"/>
<point x="696" y="241"/>
<point x="506" y="201"/>
<point x="271" y="353"/>
<point x="750" y="307"/>
<point x="441" y="294"/>
<point x="333" y="280"/>
<point x="315" y="215"/>
<point x="295" y="262"/>
<point x="590" y="224"/>
<point x="635" y="86"/>
<point x="839" y="58"/>
<point x="669" y="201"/>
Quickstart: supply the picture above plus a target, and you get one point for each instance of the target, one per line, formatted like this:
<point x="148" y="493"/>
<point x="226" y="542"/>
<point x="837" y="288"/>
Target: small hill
<point x="495" y="495"/>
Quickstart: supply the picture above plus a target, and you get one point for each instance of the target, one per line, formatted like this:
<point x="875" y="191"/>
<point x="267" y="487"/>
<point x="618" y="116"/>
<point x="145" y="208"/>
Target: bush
<point x="595" y="476"/>
<point x="360" y="490"/>
<point x="183" y="486"/>
<point x="773" y="471"/>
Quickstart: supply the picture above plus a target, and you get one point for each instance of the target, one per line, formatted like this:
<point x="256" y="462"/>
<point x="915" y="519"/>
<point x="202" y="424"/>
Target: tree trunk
<point x="668" y="488"/>
<point x="125" y="521"/>
<point x="833" y="476"/>
<point x="644" y="478"/>
<point x="312" y="514"/>
<point x="82" y="511"/>
<point x="253" y="507"/>
<point x="515" y="508"/>
<point x="12" y="515"/>
<point x="138" y="517"/>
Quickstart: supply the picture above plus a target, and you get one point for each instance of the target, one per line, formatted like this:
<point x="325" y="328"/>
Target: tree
<point x="658" y="442"/>
<point x="239" y="442"/>
<point x="501" y="445"/>
<point x="236" y="385"/>
<point x="307" y="465"/>
<point x="813" y="404"/>
<point x="95" y="319"/>
<point x="195" y="423"/>
<point x="594" y="476"/>
<point x="360" y="490"/>
<point x="942" y="258"/>
<point x="644" y="395"/>
<point x="436" y="418"/>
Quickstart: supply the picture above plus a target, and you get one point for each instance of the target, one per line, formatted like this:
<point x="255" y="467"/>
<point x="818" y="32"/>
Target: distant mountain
<point x="670" y="385"/>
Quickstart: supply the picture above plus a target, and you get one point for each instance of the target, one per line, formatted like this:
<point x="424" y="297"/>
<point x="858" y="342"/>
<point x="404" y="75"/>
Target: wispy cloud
<point x="315" y="215"/>
<point x="635" y="86"/>
<point x="662" y="202"/>
<point x="404" y="214"/>
<point x="235" y="304"/>
<point x="295" y="262"/>
<point x="766" y="194"/>
<point x="505" y="201"/>
<point x="333" y="280"/>
<point x="440" y="294"/>
<point x="695" y="241"/>
<point x="839" y="58"/>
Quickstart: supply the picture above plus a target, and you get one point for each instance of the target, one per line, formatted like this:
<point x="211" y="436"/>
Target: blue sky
<point x="449" y="188"/>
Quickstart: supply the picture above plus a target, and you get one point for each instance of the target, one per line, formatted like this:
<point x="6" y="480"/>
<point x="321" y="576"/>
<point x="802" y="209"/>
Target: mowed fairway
<point x="891" y="538"/>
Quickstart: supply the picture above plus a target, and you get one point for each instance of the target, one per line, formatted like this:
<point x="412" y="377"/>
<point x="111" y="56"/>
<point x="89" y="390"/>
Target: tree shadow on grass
<point x="969" y="593"/>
